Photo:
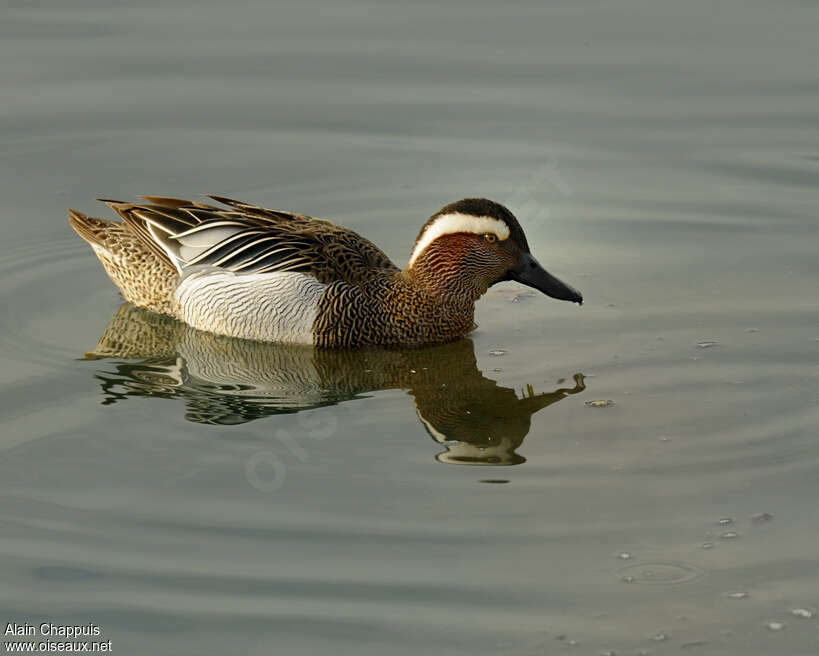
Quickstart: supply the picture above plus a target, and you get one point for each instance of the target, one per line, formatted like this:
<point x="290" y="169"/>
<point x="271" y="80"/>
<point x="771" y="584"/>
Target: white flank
<point x="448" y="224"/>
<point x="268" y="307"/>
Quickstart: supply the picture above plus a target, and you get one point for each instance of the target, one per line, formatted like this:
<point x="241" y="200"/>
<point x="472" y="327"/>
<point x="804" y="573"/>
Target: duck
<point x="245" y="271"/>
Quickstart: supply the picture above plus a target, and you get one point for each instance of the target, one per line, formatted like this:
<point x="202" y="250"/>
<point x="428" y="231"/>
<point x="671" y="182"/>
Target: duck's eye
<point x="490" y="237"/>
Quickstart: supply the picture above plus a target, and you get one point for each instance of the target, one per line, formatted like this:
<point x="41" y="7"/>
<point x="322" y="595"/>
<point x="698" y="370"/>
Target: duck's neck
<point x="445" y="280"/>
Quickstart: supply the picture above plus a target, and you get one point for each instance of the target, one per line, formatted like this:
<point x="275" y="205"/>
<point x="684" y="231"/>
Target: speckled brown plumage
<point x="386" y="311"/>
<point x="143" y="278"/>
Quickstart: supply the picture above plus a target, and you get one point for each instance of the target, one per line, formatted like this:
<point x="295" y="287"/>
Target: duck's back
<point x="244" y="271"/>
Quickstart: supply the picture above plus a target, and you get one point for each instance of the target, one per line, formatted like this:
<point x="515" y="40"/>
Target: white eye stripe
<point x="448" y="224"/>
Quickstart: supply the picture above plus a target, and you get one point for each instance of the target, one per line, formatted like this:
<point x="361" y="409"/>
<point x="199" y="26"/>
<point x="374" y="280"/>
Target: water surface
<point x="193" y="495"/>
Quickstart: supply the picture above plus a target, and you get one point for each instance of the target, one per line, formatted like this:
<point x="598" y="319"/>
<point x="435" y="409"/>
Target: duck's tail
<point x="90" y="229"/>
<point x="143" y="278"/>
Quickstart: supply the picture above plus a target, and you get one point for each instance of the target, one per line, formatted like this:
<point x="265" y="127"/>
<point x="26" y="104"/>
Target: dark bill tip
<point x="530" y="273"/>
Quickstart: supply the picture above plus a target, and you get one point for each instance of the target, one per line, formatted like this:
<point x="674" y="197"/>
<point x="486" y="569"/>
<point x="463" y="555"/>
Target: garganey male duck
<point x="273" y="276"/>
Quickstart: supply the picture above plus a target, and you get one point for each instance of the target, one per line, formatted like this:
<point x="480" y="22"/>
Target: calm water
<point x="196" y="495"/>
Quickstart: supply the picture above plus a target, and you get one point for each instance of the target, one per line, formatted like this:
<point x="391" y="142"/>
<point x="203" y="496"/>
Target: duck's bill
<point x="530" y="273"/>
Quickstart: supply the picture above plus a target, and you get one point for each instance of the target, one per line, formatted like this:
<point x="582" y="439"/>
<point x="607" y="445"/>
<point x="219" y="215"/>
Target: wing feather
<point x="246" y="238"/>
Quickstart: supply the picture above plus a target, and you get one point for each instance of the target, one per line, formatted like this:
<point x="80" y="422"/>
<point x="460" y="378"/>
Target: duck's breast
<point x="268" y="307"/>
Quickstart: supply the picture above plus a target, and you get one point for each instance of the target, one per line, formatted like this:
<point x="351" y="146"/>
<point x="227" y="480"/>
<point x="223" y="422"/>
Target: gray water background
<point x="663" y="157"/>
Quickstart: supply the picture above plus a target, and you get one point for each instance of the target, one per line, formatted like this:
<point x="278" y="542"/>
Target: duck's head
<point x="471" y="244"/>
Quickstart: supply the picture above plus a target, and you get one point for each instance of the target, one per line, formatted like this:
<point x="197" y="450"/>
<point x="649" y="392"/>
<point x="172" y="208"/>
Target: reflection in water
<point x="231" y="381"/>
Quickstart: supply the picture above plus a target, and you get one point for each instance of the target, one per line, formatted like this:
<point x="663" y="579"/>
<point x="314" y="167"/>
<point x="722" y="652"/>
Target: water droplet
<point x="725" y="521"/>
<point x="600" y="403"/>
<point x="497" y="352"/>
<point x="775" y="626"/>
<point x="660" y="637"/>
<point x="412" y="371"/>
<point x="730" y="535"/>
<point x="625" y="555"/>
<point x="804" y="613"/>
<point x="707" y="343"/>
<point x="737" y="595"/>
<point x="707" y="545"/>
<point x="761" y="517"/>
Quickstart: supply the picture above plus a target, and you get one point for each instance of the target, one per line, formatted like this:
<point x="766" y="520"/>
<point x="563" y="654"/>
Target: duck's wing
<point x="245" y="238"/>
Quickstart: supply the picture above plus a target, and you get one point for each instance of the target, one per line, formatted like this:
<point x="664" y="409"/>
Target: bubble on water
<point x="737" y="595"/>
<point x="608" y="652"/>
<point x="497" y="369"/>
<point x="497" y="352"/>
<point x="707" y="545"/>
<point x="665" y="438"/>
<point x="660" y="637"/>
<point x="625" y="555"/>
<point x="725" y="521"/>
<point x="775" y="626"/>
<point x="573" y="643"/>
<point x="804" y="613"/>
<point x="706" y="343"/>
<point x="762" y="517"/>
<point x="659" y="573"/>
<point x="600" y="403"/>
<point x="730" y="535"/>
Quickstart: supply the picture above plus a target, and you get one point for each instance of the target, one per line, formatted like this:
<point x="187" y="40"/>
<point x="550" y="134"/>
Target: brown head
<point x="471" y="244"/>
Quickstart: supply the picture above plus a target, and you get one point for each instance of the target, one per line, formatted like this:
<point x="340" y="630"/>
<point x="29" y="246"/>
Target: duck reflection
<point x="229" y="381"/>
